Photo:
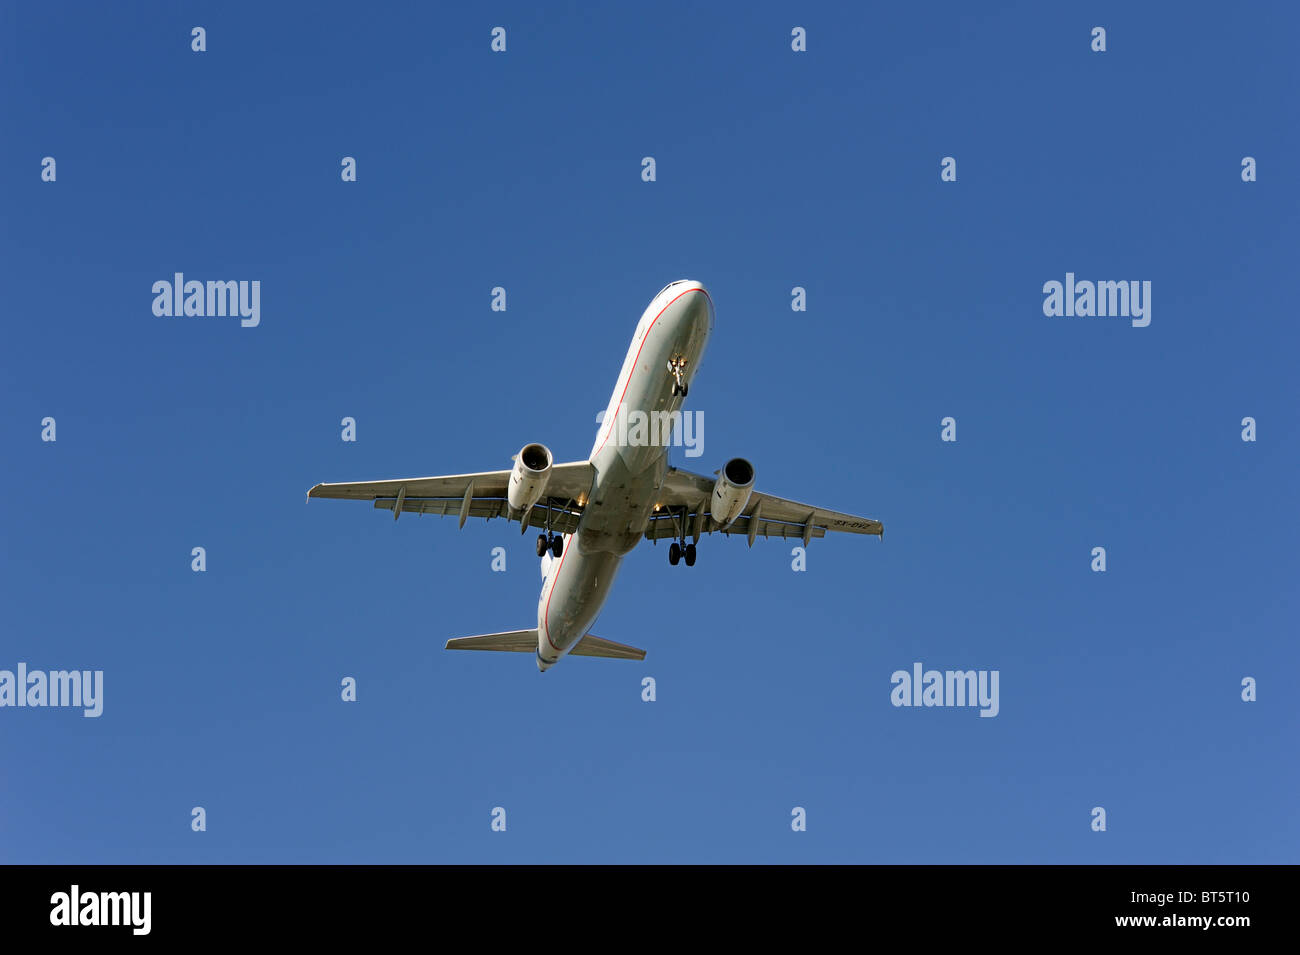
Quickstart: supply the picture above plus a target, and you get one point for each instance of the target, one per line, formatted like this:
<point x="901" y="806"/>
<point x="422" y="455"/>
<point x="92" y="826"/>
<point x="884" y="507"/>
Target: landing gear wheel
<point x="690" y="555"/>
<point x="686" y="389"/>
<point x="557" y="545"/>
<point x="674" y="553"/>
<point x="542" y="544"/>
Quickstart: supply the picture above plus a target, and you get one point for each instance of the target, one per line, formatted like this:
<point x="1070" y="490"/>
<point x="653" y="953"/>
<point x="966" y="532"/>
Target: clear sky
<point x="775" y="169"/>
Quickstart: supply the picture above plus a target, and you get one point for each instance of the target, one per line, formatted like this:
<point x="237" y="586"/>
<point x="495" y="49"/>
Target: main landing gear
<point x="679" y="548"/>
<point x="548" y="541"/>
<point x="680" y="386"/>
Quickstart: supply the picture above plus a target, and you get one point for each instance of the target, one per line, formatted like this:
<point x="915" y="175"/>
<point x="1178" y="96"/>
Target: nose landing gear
<point x="678" y="368"/>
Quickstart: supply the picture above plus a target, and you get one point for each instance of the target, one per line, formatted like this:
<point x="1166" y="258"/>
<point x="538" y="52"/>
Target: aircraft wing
<point x="684" y="497"/>
<point x="473" y="495"/>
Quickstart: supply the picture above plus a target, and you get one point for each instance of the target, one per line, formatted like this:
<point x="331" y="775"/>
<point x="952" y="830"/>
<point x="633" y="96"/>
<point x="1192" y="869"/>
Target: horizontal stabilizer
<point x="525" y="641"/>
<point x="512" y="641"/>
<point x="593" y="646"/>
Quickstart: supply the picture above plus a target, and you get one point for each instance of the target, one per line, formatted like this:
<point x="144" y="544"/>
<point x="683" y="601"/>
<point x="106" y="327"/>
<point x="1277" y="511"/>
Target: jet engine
<point x="528" y="477"/>
<point x="731" y="492"/>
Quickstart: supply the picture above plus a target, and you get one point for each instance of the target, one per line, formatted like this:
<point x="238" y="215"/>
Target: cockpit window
<point x="670" y="285"/>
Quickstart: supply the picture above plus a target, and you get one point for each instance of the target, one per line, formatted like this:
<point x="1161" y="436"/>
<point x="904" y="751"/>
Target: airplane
<point x="592" y="513"/>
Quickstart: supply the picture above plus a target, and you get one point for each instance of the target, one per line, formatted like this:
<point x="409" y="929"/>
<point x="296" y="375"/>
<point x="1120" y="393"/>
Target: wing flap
<point x="665" y="528"/>
<point x="564" y="520"/>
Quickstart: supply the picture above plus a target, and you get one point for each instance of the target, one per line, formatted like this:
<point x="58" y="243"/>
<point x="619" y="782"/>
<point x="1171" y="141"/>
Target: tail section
<point x="525" y="641"/>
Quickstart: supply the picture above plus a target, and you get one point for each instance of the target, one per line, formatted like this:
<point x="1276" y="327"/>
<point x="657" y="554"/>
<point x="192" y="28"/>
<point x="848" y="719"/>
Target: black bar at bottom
<point x="337" y="904"/>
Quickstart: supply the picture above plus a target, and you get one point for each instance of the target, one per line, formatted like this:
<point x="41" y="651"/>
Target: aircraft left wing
<point x="474" y="495"/>
<point x="684" y="500"/>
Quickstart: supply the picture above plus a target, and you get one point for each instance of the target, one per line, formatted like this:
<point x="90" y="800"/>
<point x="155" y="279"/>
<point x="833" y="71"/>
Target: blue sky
<point x="775" y="169"/>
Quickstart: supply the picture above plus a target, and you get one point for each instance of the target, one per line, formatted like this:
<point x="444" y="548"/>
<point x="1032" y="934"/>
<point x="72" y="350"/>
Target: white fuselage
<point x="629" y="468"/>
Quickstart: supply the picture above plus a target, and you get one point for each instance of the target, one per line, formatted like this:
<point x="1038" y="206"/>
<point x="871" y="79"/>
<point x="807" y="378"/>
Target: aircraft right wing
<point x="474" y="495"/>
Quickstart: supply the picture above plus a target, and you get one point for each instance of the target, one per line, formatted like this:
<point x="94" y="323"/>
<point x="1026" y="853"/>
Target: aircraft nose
<point x="695" y="302"/>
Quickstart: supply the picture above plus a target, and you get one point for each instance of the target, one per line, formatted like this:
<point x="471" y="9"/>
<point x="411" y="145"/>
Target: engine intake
<point x="528" y="477"/>
<point x="731" y="492"/>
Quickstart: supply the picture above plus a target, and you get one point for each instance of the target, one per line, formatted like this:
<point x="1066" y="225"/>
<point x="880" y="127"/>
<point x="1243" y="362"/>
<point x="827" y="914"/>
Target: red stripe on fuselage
<point x="628" y="383"/>
<point x="546" y="614"/>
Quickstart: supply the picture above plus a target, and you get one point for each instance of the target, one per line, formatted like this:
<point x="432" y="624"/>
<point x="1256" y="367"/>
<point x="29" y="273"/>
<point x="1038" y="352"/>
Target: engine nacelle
<point x="528" y="477"/>
<point x="731" y="492"/>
